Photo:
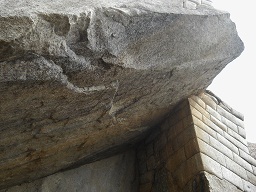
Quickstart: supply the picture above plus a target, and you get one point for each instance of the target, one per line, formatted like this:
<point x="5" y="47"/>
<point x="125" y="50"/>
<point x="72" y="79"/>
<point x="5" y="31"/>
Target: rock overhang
<point x="82" y="80"/>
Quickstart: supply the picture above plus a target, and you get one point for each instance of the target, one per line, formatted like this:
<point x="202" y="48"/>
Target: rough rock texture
<point x="252" y="149"/>
<point x="80" y="80"/>
<point x="117" y="173"/>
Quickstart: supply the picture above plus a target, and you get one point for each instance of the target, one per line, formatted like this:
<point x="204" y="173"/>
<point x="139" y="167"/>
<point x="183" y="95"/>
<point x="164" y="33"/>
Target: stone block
<point x="219" y="185"/>
<point x="175" y="160"/>
<point x="191" y="148"/>
<point x="236" y="168"/>
<point x="247" y="157"/>
<point x="228" y="115"/>
<point x="218" y="123"/>
<point x="183" y="138"/>
<point x="197" y="100"/>
<point x="232" y="178"/>
<point x="176" y="129"/>
<point x="242" y="162"/>
<point x="204" y="127"/>
<point x="212" y="125"/>
<point x="248" y="187"/>
<point x="213" y="112"/>
<point x="190" y="5"/>
<point x="237" y="136"/>
<point x="229" y="124"/>
<point x="212" y="102"/>
<point x="227" y="143"/>
<point x="251" y="177"/>
<point x="187" y="121"/>
<point x="207" y="2"/>
<point x="242" y="132"/>
<point x="196" y="113"/>
<point x="188" y="170"/>
<point x="202" y="134"/>
<point x="211" y="152"/>
<point x="254" y="169"/>
<point x="147" y="177"/>
<point x="236" y="142"/>
<point x="211" y="166"/>
<point x="199" y="107"/>
<point x="220" y="147"/>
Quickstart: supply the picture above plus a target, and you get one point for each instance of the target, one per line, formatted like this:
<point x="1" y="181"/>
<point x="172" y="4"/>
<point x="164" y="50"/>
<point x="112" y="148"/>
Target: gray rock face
<point x="81" y="80"/>
<point x="116" y="173"/>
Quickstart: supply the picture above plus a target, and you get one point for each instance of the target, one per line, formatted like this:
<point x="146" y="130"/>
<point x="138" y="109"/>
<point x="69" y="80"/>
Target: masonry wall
<point x="115" y="174"/>
<point x="200" y="147"/>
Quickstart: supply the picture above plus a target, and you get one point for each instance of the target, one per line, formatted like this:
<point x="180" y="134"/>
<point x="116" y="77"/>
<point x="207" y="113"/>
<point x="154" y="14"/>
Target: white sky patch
<point x="236" y="84"/>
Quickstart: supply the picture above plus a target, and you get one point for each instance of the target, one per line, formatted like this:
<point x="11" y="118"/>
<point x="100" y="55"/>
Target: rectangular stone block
<point x="220" y="147"/>
<point x="236" y="142"/>
<point x="227" y="143"/>
<point x="188" y="170"/>
<point x="212" y="125"/>
<point x="187" y="121"/>
<point x="204" y="127"/>
<point x="190" y="5"/>
<point x="236" y="168"/>
<point x="175" y="130"/>
<point x="242" y="162"/>
<point x="242" y="132"/>
<point x="211" y="166"/>
<point x="196" y="113"/>
<point x="209" y="100"/>
<point x="182" y="138"/>
<point x="191" y="148"/>
<point x="199" y="107"/>
<point x="218" y="123"/>
<point x="229" y="124"/>
<point x="201" y="134"/>
<point x="248" y="187"/>
<point x="251" y="178"/>
<point x="237" y="136"/>
<point x="197" y="100"/>
<point x="247" y="157"/>
<point x="254" y="169"/>
<point x="213" y="112"/>
<point x="211" y="152"/>
<point x="232" y="178"/>
<point x="175" y="160"/>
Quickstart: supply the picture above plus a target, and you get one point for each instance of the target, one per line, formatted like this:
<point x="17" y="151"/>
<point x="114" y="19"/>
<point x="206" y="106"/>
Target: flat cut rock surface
<point x="83" y="80"/>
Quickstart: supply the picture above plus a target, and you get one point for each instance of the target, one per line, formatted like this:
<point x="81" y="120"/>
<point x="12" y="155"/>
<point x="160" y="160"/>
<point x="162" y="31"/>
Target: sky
<point x="235" y="85"/>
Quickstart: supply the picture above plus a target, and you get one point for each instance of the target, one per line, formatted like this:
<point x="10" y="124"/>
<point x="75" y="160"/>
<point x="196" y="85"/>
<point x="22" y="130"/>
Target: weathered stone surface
<point x="252" y="149"/>
<point x="117" y="173"/>
<point x="216" y="184"/>
<point x="80" y="80"/>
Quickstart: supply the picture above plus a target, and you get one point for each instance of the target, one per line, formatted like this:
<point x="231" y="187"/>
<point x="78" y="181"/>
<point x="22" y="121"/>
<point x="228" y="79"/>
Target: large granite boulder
<point x="81" y="80"/>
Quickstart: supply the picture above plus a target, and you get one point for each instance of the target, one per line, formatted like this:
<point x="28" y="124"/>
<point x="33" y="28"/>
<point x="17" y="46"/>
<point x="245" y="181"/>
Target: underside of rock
<point x="81" y="81"/>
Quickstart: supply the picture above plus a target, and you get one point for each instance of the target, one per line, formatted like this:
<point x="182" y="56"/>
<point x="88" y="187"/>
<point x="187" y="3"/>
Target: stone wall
<point x="117" y="173"/>
<point x="202" y="146"/>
